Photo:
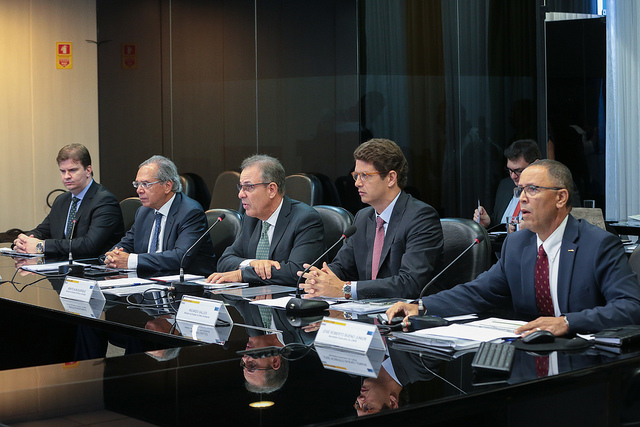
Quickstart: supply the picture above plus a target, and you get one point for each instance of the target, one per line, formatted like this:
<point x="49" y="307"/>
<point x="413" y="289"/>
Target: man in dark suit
<point x="519" y="155"/>
<point x="398" y="243"/>
<point x="278" y="234"/>
<point x="94" y="209"/>
<point x="166" y="225"/>
<point x="568" y="275"/>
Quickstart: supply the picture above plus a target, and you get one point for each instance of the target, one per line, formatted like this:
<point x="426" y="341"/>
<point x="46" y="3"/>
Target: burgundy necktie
<point x="543" y="292"/>
<point x="377" y="248"/>
<point x="542" y="366"/>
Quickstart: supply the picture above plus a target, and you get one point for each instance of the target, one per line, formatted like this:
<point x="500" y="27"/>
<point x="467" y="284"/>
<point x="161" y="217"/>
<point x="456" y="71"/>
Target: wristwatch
<point x="40" y="247"/>
<point x="346" y="290"/>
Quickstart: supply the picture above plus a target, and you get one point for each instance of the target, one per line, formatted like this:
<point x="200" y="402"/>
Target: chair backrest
<point x="188" y="186"/>
<point x="305" y="188"/>
<point x="335" y="221"/>
<point x="225" y="192"/>
<point x="330" y="194"/>
<point x="225" y="233"/>
<point x="458" y="234"/>
<point x="129" y="208"/>
<point x="198" y="189"/>
<point x="634" y="261"/>
<point x="591" y="215"/>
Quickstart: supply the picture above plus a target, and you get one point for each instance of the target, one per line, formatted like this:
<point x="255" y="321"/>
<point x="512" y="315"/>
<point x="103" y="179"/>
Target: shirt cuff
<point x="244" y="264"/>
<point x="354" y="290"/>
<point x="132" y="262"/>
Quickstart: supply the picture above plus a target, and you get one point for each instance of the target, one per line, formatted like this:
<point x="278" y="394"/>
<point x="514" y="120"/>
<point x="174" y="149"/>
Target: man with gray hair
<point x="278" y="234"/>
<point x="564" y="275"/>
<point x="166" y="225"/>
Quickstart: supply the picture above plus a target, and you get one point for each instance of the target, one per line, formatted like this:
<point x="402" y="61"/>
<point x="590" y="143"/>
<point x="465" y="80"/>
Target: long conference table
<point x="53" y="370"/>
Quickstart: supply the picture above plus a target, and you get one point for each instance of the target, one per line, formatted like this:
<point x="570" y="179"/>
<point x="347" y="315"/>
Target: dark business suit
<point x="297" y="239"/>
<point x="99" y="224"/>
<point x="185" y="223"/>
<point x="411" y="254"/>
<point x="596" y="287"/>
<point x="504" y="194"/>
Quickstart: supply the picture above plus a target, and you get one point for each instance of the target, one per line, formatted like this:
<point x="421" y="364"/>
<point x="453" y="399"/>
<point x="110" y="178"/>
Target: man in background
<point x="96" y="212"/>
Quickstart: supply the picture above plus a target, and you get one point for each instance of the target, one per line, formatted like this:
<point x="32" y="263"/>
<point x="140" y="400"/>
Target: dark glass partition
<point x="452" y="82"/>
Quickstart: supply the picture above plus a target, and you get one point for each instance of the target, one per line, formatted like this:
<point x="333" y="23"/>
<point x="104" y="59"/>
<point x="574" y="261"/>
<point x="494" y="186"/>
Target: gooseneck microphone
<point x="298" y="305"/>
<point x="70" y="268"/>
<point x="479" y="238"/>
<point x="181" y="287"/>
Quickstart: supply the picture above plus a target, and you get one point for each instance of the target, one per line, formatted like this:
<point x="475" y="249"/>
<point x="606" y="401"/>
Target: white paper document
<point x="52" y="266"/>
<point x="126" y="281"/>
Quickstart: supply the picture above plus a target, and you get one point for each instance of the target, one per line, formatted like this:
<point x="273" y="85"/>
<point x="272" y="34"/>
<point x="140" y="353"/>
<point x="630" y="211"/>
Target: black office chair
<point x="634" y="261"/>
<point x="305" y="188"/>
<point x="225" y="192"/>
<point x="335" y="221"/>
<point x="330" y="194"/>
<point x="225" y="233"/>
<point x="188" y="186"/>
<point x="129" y="207"/>
<point x="198" y="191"/>
<point x="458" y="234"/>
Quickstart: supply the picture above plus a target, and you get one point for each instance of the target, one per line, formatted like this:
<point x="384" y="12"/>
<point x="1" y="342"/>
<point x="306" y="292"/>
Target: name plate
<point x="363" y="364"/>
<point x="202" y="311"/>
<point x="350" y="335"/>
<point x="92" y="309"/>
<point x="204" y="333"/>
<point x="81" y="289"/>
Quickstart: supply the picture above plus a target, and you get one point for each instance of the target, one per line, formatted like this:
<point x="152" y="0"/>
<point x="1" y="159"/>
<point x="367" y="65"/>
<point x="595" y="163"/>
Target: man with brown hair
<point x="398" y="243"/>
<point x="96" y="212"/>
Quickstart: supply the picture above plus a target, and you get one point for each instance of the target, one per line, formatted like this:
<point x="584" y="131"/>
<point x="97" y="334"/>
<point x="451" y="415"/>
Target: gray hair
<point x="167" y="171"/>
<point x="560" y="175"/>
<point x="272" y="170"/>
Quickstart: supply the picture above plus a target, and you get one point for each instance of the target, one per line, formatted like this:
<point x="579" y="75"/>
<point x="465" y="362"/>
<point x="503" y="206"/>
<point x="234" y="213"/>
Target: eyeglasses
<point x="516" y="172"/>
<point x="366" y="408"/>
<point x="364" y="176"/>
<point x="145" y="185"/>
<point x="248" y="188"/>
<point x="252" y="366"/>
<point x="532" y="190"/>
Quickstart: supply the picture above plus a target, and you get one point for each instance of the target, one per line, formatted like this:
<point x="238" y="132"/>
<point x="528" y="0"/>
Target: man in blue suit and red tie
<point x="566" y="275"/>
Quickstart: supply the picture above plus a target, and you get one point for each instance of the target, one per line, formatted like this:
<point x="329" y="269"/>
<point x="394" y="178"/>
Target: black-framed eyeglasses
<point x="145" y="185"/>
<point x="364" y="176"/>
<point x="252" y="366"/>
<point x="366" y="408"/>
<point x="248" y="188"/>
<point x="532" y="190"/>
<point x="516" y="172"/>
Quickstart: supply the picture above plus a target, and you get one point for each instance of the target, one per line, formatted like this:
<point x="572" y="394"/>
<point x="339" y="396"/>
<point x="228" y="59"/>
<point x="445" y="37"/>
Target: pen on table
<point x="121" y="286"/>
<point x="479" y="213"/>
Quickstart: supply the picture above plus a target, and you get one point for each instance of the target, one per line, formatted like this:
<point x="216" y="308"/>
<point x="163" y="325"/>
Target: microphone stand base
<point x="72" y="269"/>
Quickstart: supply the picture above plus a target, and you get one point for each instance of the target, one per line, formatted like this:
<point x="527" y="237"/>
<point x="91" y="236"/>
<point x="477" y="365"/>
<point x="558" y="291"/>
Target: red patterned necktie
<point x="377" y="248"/>
<point x="542" y="366"/>
<point x="543" y="291"/>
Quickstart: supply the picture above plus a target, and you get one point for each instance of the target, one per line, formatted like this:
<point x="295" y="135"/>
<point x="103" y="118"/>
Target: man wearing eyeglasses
<point x="96" y="212"/>
<point x="398" y="244"/>
<point x="278" y="234"/>
<point x="166" y="225"/>
<point x="519" y="155"/>
<point x="565" y="275"/>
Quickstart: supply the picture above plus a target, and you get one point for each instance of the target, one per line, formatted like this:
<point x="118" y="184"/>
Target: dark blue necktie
<point x="156" y="234"/>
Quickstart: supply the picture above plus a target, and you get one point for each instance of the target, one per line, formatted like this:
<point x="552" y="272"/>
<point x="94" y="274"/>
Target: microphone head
<point x="222" y="216"/>
<point x="479" y="238"/>
<point x="350" y="231"/>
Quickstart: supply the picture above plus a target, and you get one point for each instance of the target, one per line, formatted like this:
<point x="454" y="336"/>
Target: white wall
<point x="42" y="108"/>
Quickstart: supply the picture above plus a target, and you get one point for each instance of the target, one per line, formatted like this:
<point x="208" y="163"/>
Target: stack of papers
<point x="457" y="337"/>
<point x="11" y="252"/>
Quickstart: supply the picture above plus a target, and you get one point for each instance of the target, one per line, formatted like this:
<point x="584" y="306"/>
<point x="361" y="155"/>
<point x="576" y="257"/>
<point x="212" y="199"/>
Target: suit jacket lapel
<point x="370" y="234"/>
<point x="528" y="259"/>
<point x="281" y="225"/>
<point x="392" y="227"/>
<point x="86" y="200"/>
<point x="171" y="219"/>
<point x="567" y="258"/>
